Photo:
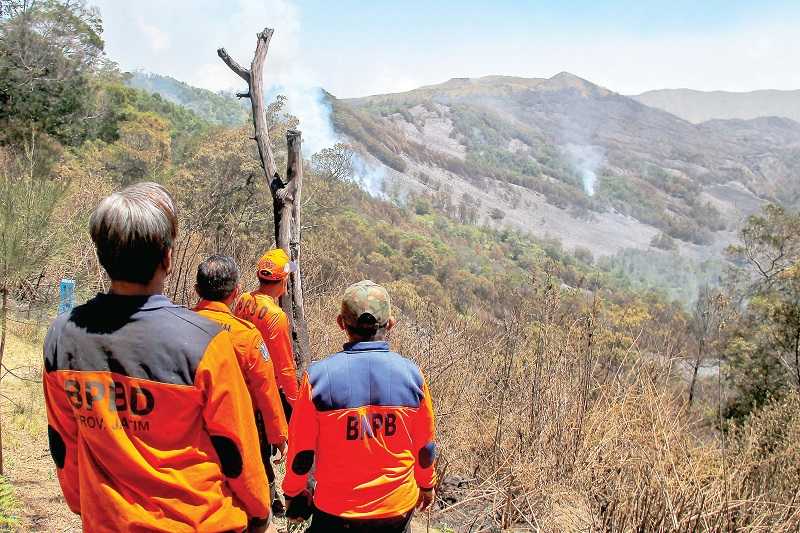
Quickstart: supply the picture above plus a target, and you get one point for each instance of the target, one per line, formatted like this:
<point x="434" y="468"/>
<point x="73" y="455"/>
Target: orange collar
<point x="208" y="305"/>
<point x="271" y="298"/>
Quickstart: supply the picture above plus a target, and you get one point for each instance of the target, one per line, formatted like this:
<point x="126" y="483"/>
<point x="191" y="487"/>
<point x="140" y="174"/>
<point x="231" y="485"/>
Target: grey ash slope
<point x="527" y="146"/>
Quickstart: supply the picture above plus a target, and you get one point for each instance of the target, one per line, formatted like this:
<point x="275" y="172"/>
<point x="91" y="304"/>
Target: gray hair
<point x="133" y="229"/>
<point x="217" y="277"/>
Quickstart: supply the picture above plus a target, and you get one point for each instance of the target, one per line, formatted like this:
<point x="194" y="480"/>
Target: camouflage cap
<point x="366" y="304"/>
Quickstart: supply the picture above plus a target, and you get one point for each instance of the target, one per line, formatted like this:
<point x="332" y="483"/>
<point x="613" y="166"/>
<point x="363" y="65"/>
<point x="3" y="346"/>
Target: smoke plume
<point x="586" y="160"/>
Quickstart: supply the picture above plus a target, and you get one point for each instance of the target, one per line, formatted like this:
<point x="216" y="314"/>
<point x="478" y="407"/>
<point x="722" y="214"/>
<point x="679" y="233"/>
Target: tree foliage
<point x="48" y="51"/>
<point x="334" y="163"/>
<point x="764" y="354"/>
<point x="27" y="201"/>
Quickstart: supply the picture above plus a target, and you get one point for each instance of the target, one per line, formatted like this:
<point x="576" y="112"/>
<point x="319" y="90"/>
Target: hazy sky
<point x="354" y="48"/>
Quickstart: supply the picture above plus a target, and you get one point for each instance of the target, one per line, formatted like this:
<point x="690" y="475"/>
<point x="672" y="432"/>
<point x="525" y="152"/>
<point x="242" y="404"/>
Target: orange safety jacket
<point x="150" y="423"/>
<point x="365" y="418"/>
<point x="256" y="366"/>
<point x="271" y="321"/>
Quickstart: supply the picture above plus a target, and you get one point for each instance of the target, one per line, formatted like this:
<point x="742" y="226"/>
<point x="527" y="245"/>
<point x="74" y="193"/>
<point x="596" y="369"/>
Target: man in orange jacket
<point x="261" y="308"/>
<point x="364" y="419"/>
<point x="218" y="287"/>
<point x="150" y="422"/>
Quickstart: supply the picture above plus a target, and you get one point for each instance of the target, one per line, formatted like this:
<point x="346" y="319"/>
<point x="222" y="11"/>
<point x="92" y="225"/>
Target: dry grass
<point x="561" y="417"/>
<point x="28" y="465"/>
<point x="546" y="423"/>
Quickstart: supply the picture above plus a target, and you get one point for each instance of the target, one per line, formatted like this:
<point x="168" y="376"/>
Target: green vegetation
<point x="763" y="351"/>
<point x="379" y="140"/>
<point x="48" y="55"/>
<point x="9" y="506"/>
<point x="690" y="221"/>
<point x="525" y="137"/>
<point x="218" y="109"/>
<point x="677" y="277"/>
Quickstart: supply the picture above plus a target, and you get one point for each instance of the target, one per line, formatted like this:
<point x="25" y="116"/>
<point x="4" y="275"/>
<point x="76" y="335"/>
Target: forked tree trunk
<point x="285" y="195"/>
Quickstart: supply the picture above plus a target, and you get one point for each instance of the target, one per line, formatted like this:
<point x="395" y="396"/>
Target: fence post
<point x="66" y="296"/>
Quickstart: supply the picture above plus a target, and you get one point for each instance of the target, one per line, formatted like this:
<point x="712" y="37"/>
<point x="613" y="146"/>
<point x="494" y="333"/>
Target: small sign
<point x="66" y="293"/>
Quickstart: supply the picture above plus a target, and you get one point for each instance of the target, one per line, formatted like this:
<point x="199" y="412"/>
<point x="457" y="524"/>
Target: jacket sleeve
<point x="424" y="436"/>
<point x="229" y="421"/>
<point x="303" y="433"/>
<point x="279" y="343"/>
<point x="260" y="378"/>
<point x="62" y="432"/>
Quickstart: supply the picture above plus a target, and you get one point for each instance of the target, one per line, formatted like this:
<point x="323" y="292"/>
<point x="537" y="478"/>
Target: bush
<point x="9" y="506"/>
<point x="663" y="241"/>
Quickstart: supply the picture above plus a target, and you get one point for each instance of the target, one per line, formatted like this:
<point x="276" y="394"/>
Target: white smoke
<point x="586" y="161"/>
<point x="371" y="176"/>
<point x="311" y="107"/>
<point x="285" y="73"/>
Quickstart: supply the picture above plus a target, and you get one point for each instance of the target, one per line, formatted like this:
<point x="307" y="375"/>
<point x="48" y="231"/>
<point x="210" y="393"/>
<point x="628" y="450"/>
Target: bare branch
<point x="233" y="65"/>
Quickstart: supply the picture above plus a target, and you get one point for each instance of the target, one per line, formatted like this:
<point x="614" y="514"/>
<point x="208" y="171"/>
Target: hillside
<point x="700" y="106"/>
<point x="559" y="157"/>
<point x="220" y="109"/>
<point x="567" y="158"/>
<point x="525" y="154"/>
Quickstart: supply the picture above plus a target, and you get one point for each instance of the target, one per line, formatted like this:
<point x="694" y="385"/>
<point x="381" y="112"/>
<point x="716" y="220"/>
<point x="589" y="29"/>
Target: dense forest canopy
<point x="588" y="399"/>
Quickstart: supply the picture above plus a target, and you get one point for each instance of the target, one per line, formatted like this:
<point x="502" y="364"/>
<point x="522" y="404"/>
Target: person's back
<point x="218" y="287"/>
<point x="372" y="415"/>
<point x="254" y="361"/>
<point x="364" y="421"/>
<point x="136" y="378"/>
<point x="150" y="423"/>
<point x="261" y="308"/>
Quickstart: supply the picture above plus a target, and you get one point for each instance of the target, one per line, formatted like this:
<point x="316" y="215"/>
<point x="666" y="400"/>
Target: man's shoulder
<point x="242" y="324"/>
<point x="242" y="330"/>
<point x="245" y="297"/>
<point x="228" y="320"/>
<point x="406" y="366"/>
<point x="354" y="380"/>
<point x="386" y="370"/>
<point x="162" y="342"/>
<point x="254" y="306"/>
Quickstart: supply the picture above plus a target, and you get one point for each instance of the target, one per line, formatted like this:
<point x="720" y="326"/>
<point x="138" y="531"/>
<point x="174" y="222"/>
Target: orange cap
<point x="274" y="265"/>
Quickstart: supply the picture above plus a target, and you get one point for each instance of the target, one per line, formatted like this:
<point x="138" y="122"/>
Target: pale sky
<point x="354" y="48"/>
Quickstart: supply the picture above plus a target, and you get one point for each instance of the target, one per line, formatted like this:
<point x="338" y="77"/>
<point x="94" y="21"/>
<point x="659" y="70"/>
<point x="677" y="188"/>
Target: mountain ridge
<point x="562" y="80"/>
<point x="528" y="151"/>
<point x="548" y="135"/>
<point x="700" y="106"/>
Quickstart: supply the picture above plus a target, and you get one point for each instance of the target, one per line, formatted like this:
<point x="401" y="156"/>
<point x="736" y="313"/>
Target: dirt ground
<point x="28" y="465"/>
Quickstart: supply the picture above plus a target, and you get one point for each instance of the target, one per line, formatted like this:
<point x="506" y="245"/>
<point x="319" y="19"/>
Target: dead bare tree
<point x="285" y="194"/>
<point x="707" y="320"/>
